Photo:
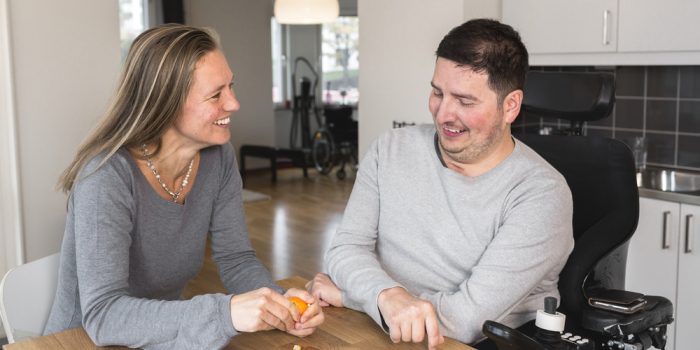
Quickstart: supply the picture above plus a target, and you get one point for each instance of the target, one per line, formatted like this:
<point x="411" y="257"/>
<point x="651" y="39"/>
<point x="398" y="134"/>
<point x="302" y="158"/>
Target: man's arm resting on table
<point x="409" y="319"/>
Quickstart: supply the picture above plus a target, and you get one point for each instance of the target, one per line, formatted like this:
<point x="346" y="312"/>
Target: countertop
<point x="659" y="183"/>
<point x="670" y="196"/>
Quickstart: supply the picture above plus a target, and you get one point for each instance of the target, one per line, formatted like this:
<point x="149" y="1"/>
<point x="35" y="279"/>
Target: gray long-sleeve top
<point x="127" y="254"/>
<point x="478" y="248"/>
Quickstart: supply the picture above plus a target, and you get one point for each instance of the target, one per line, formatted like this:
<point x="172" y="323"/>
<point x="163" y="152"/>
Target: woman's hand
<point x="310" y="319"/>
<point x="263" y="309"/>
<point x="325" y="290"/>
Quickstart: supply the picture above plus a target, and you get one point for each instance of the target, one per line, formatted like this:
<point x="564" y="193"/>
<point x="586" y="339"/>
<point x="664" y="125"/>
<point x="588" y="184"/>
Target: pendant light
<point x="306" y="11"/>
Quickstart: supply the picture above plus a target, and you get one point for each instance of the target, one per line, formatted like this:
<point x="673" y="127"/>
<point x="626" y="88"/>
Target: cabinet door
<point x="688" y="305"/>
<point x="652" y="263"/>
<point x="555" y="26"/>
<point x="652" y="25"/>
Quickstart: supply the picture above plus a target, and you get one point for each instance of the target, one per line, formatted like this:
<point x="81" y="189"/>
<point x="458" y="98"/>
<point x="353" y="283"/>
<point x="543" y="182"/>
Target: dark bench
<point x="275" y="155"/>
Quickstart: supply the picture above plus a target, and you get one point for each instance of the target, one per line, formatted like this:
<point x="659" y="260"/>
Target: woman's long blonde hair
<point x="153" y="86"/>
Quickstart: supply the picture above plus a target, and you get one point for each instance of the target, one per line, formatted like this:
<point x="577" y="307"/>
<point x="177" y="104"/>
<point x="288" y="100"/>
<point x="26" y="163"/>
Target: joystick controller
<point x="550" y="325"/>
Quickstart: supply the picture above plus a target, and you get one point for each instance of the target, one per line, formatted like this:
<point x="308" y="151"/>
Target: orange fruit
<point x="300" y="304"/>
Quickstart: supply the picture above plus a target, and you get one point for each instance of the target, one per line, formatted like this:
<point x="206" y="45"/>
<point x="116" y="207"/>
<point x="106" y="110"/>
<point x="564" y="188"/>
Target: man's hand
<point x="311" y="318"/>
<point x="409" y="318"/>
<point x="262" y="309"/>
<point x="325" y="290"/>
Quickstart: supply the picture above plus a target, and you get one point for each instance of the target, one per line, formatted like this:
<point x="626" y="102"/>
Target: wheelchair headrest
<point x="574" y="96"/>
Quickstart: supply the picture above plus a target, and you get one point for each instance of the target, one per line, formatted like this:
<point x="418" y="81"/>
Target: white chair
<point x="26" y="297"/>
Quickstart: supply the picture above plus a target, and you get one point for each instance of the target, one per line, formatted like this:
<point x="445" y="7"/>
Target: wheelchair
<point x="602" y="177"/>
<point x="335" y="143"/>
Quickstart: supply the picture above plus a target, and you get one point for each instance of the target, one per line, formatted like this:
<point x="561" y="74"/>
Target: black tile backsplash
<point x="690" y="82"/>
<point x="626" y="136"/>
<point x="689" y="116"/>
<point x="661" y="115"/>
<point x="629" y="81"/>
<point x="688" y="148"/>
<point x="662" y="148"/>
<point x="661" y="103"/>
<point x="629" y="113"/>
<point x="662" y="81"/>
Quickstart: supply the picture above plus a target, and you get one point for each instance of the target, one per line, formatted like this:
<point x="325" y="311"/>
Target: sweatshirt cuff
<point x="225" y="319"/>
<point x="372" y="305"/>
<point x="278" y="289"/>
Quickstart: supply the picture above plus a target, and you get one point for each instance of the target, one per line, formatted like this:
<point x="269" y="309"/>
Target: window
<point x="279" y="62"/>
<point x="133" y="19"/>
<point x="337" y="45"/>
<point x="340" y="61"/>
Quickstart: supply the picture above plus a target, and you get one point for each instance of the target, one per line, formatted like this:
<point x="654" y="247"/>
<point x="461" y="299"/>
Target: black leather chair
<point x="602" y="177"/>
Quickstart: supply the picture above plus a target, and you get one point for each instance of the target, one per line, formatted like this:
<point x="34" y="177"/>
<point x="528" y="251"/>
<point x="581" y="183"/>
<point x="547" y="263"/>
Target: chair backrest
<point x="26" y="297"/>
<point x="600" y="173"/>
<point x="340" y="123"/>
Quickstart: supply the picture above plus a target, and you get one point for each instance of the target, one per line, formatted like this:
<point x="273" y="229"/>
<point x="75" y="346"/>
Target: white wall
<point x="65" y="57"/>
<point x="244" y="28"/>
<point x="398" y="39"/>
<point x="482" y="9"/>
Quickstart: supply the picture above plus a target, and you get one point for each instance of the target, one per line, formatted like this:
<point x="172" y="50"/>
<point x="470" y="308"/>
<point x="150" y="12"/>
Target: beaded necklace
<point x="184" y="182"/>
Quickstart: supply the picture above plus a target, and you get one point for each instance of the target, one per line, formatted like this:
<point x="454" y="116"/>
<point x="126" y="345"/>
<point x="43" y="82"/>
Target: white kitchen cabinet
<point x="555" y="26"/>
<point x="688" y="282"/>
<point x="660" y="261"/>
<point x="652" y="25"/>
<point x="607" y="32"/>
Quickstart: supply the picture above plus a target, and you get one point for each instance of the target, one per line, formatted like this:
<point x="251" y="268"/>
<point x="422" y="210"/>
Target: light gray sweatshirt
<point x="478" y="248"/>
<point x="127" y="254"/>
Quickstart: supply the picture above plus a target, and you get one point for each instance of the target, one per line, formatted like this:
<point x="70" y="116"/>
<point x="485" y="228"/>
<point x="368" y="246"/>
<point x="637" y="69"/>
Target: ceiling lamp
<point x="306" y="11"/>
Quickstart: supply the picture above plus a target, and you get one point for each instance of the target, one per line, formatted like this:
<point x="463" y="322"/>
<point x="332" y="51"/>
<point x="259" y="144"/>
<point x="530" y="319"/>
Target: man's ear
<point x="511" y="105"/>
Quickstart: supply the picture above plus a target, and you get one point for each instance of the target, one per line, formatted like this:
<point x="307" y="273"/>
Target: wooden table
<point x="343" y="329"/>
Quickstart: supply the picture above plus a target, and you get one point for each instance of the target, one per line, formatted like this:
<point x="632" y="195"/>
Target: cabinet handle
<point x="664" y="235"/>
<point x="606" y="24"/>
<point x="689" y="233"/>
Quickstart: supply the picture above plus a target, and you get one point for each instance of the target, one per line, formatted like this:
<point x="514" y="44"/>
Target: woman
<point x="145" y="188"/>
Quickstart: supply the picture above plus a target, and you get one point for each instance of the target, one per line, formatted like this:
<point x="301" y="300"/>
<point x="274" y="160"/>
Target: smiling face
<point x="204" y="118"/>
<point x="473" y="126"/>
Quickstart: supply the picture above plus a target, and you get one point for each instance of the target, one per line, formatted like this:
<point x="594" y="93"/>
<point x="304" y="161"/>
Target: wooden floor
<point x="291" y="231"/>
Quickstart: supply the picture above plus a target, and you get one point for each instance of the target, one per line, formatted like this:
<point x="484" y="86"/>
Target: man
<point x="452" y="224"/>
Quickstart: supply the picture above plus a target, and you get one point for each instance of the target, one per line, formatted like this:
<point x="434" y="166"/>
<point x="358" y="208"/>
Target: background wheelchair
<point x="335" y="143"/>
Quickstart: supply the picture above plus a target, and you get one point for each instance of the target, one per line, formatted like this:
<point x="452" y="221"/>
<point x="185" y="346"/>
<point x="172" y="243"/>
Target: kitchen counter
<point x="670" y="196"/>
<point x="669" y="184"/>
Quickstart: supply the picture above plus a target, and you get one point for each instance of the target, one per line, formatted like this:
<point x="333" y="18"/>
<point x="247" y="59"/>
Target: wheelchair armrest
<point x="656" y="312"/>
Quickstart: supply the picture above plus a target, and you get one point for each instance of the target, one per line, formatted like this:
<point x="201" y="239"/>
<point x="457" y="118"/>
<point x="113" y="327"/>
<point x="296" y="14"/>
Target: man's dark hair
<point x="491" y="47"/>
